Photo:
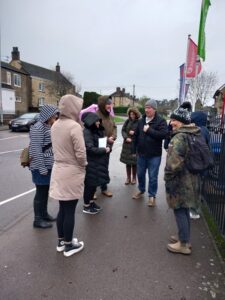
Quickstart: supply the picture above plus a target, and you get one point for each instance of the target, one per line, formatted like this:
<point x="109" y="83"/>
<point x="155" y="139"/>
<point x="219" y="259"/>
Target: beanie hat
<point x="151" y="103"/>
<point x="186" y="105"/>
<point x="182" y="115"/>
<point x="108" y="100"/>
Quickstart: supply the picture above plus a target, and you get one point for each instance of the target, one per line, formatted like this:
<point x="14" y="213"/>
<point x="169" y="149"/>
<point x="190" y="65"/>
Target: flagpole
<point x="195" y="83"/>
<point x="185" y="69"/>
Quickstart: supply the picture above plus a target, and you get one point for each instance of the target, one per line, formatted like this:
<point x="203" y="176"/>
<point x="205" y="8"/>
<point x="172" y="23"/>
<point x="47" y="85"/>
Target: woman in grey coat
<point x="126" y="156"/>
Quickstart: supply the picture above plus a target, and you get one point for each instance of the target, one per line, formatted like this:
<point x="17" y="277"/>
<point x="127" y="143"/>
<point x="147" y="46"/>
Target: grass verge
<point x="118" y="120"/>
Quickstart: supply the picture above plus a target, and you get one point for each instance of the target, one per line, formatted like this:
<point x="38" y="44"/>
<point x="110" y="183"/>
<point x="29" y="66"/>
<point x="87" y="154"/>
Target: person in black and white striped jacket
<point x="42" y="159"/>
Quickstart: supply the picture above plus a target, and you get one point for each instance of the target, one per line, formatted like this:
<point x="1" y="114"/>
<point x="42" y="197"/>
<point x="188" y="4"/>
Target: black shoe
<point x="49" y="218"/>
<point x="95" y="206"/>
<point x="73" y="248"/>
<point x="41" y="224"/>
<point x="90" y="210"/>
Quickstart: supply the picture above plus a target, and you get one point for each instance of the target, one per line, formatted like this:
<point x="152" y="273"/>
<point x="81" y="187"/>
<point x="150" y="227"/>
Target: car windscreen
<point x="28" y="116"/>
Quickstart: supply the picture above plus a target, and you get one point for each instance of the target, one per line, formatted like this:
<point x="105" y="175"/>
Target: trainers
<point x="95" y="206"/>
<point x="138" y="195"/>
<point x="179" y="248"/>
<point x="151" y="201"/>
<point x="90" y="210"/>
<point x="194" y="215"/>
<point x="174" y="239"/>
<point x="73" y="248"/>
<point x="127" y="181"/>
<point x="61" y="244"/>
<point x="107" y="193"/>
<point x="133" y="181"/>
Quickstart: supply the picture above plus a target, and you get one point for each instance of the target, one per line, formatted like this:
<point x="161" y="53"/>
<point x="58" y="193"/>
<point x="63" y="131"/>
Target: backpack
<point x="25" y="159"/>
<point x="199" y="157"/>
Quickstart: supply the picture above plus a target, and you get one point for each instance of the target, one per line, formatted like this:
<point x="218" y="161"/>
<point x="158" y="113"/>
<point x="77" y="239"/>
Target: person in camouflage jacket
<point x="182" y="187"/>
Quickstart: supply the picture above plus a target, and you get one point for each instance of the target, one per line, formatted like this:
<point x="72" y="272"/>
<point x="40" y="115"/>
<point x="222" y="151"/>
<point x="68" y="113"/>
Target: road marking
<point x="10" y="151"/>
<point x="18" y="196"/>
<point x="14" y="137"/>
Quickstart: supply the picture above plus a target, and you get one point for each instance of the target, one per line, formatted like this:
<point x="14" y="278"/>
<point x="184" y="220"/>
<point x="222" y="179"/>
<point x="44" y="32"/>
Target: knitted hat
<point x="108" y="100"/>
<point x="182" y="115"/>
<point x="151" y="103"/>
<point x="186" y="105"/>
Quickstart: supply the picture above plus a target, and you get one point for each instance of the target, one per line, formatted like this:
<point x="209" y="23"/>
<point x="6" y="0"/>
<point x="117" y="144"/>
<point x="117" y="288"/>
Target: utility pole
<point x="1" y="107"/>
<point x="133" y="93"/>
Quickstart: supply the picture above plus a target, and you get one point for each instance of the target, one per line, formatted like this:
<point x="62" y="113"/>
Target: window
<point x="41" y="101"/>
<point x="8" y="78"/>
<point x="41" y="87"/>
<point x="17" y="80"/>
<point x="18" y="99"/>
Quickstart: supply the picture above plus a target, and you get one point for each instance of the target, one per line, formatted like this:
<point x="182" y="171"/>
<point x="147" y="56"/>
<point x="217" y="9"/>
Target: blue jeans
<point x="152" y="164"/>
<point x="183" y="223"/>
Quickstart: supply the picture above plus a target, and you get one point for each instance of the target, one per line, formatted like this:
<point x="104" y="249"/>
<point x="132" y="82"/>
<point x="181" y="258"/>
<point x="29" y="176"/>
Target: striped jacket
<point x="40" y="149"/>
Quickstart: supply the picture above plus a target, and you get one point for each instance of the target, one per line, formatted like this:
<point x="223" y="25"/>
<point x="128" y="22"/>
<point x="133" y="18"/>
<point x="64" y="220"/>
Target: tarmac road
<point x="125" y="254"/>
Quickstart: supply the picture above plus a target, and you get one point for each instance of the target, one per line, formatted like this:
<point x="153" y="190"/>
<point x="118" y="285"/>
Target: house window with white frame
<point x="18" y="99"/>
<point x="17" y="80"/>
<point x="8" y="78"/>
<point x="41" y="101"/>
<point x="41" y="87"/>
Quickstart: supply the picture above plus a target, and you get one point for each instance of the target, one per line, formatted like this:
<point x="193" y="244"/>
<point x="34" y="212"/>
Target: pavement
<point x="4" y="127"/>
<point x="125" y="255"/>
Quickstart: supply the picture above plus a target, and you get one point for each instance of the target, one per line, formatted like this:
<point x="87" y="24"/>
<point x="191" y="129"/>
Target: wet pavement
<point x="125" y="255"/>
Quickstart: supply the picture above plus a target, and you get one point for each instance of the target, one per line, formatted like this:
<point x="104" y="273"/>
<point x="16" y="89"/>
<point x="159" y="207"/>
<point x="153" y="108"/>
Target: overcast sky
<point x="110" y="43"/>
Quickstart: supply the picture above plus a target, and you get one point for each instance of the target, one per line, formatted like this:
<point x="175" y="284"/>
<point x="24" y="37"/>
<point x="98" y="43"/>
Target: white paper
<point x="102" y="142"/>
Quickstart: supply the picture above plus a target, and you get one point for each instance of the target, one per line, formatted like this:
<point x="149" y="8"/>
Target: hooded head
<point x="89" y="119"/>
<point x="47" y="111"/>
<point x="182" y="115"/>
<point x="103" y="102"/>
<point x="135" y="111"/>
<point x="70" y="107"/>
<point x="199" y="118"/>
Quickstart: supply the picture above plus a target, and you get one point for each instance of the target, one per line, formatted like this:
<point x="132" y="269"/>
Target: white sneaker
<point x="194" y="216"/>
<point x="61" y="245"/>
<point x="73" y="248"/>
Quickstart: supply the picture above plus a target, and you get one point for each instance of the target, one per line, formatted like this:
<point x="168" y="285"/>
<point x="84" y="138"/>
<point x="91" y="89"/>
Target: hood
<point x="89" y="119"/>
<point x="102" y="103"/>
<point x="135" y="111"/>
<point x="47" y="111"/>
<point x="190" y="128"/>
<point x="199" y="118"/>
<point x="70" y="107"/>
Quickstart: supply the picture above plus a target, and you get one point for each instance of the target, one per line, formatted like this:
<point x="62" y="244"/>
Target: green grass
<point x="118" y="119"/>
<point x="219" y="240"/>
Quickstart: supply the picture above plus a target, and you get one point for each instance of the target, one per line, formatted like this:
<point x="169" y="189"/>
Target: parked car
<point x="23" y="122"/>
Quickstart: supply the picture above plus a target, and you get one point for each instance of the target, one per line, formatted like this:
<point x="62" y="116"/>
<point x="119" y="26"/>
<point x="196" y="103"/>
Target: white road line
<point x="15" y="197"/>
<point x="18" y="150"/>
<point x="14" y="137"/>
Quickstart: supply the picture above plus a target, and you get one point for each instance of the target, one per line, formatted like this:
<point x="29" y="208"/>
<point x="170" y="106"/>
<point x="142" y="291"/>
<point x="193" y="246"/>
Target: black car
<point x="23" y="122"/>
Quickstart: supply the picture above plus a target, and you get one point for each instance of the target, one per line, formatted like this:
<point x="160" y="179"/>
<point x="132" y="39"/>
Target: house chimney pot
<point x="57" y="68"/>
<point x="118" y="89"/>
<point x="15" y="54"/>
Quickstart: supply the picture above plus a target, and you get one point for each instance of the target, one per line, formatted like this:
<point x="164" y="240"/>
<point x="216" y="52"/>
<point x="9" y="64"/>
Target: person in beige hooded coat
<point x="68" y="173"/>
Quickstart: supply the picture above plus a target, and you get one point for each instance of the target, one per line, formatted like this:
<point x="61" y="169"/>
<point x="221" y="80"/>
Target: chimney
<point x="15" y="54"/>
<point x="118" y="89"/>
<point x="57" y="68"/>
<point x="123" y="90"/>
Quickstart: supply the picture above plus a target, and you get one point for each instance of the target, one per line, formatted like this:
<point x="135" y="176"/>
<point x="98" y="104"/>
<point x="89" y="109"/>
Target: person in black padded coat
<point x="97" y="173"/>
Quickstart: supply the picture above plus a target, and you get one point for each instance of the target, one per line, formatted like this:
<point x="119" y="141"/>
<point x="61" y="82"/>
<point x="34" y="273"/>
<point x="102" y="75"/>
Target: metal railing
<point x="213" y="189"/>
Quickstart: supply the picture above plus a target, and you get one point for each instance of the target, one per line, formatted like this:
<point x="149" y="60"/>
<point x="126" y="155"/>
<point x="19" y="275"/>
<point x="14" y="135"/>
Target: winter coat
<point x="107" y="120"/>
<point x="182" y="187"/>
<point x="149" y="143"/>
<point x="67" y="180"/>
<point x="127" y="156"/>
<point x="97" y="169"/>
<point x="40" y="142"/>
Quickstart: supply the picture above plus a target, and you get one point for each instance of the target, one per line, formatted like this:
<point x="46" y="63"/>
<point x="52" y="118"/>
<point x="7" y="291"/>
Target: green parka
<point x="182" y="187"/>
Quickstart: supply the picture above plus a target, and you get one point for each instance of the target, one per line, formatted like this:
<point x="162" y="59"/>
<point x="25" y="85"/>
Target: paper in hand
<point x="102" y="142"/>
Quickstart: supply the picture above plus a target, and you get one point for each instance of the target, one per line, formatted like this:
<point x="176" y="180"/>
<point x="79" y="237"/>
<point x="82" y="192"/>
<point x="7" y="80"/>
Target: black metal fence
<point x="213" y="189"/>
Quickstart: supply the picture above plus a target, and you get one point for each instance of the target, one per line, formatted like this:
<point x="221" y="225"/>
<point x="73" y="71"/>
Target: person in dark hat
<point x="105" y="107"/>
<point x="182" y="187"/>
<point x="148" y="137"/>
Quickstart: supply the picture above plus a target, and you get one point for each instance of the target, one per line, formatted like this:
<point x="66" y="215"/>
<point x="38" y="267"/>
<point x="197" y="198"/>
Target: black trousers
<point x="66" y="219"/>
<point x="41" y="201"/>
<point x="89" y="192"/>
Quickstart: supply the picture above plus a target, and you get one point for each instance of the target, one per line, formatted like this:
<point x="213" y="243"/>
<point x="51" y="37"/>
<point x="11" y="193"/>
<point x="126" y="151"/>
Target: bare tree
<point x="202" y="88"/>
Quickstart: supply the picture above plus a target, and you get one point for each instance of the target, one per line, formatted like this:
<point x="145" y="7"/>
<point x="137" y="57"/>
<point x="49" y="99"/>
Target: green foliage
<point x="90" y="98"/>
<point x="118" y="120"/>
<point x="120" y="109"/>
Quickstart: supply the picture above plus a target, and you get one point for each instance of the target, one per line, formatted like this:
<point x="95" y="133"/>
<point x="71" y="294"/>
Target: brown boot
<point x="179" y="248"/>
<point x="151" y="201"/>
<point x="174" y="239"/>
<point x="107" y="193"/>
<point x="134" y="172"/>
<point x="127" y="181"/>
<point x="137" y="195"/>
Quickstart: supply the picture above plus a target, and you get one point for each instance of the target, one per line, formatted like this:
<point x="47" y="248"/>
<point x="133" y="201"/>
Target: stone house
<point x="121" y="98"/>
<point x="219" y="98"/>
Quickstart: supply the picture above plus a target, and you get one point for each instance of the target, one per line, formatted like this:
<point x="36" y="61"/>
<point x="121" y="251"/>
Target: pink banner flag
<point x="193" y="66"/>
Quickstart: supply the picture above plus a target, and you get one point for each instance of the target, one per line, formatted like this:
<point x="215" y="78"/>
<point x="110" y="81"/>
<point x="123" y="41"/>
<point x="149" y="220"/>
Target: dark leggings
<point x="66" y="219"/>
<point x="41" y="201"/>
<point x="89" y="192"/>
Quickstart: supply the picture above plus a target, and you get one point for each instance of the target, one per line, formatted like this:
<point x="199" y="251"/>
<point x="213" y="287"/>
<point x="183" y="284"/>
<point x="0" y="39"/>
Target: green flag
<point x="201" y="34"/>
